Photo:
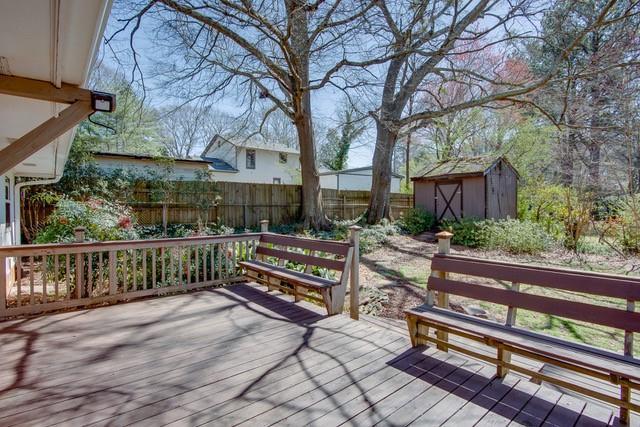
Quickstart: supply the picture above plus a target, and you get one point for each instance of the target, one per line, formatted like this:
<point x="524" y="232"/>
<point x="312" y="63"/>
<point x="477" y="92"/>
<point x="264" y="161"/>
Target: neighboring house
<point x="354" y="179"/>
<point x="47" y="49"/>
<point x="171" y="169"/>
<point x="252" y="162"/>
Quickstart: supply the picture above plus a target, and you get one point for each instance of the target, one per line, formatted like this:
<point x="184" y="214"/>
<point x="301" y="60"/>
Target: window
<point x="277" y="181"/>
<point x="283" y="157"/>
<point x="251" y="159"/>
<point x="7" y="202"/>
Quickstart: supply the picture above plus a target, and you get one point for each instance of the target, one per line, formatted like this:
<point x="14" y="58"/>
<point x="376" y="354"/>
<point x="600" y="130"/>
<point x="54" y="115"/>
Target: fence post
<point x="79" y="233"/>
<point x="165" y="215"/>
<point x="354" y="282"/>
<point x="444" y="248"/>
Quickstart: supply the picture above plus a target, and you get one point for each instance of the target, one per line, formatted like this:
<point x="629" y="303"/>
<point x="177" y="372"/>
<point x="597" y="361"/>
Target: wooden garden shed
<point x="474" y="187"/>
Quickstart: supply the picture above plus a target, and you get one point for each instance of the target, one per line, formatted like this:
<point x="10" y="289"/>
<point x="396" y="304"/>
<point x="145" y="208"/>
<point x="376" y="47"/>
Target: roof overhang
<point x="54" y="42"/>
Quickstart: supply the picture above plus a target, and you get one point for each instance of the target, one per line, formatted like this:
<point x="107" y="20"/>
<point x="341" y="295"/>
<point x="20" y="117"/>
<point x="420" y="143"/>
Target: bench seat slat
<point x="331" y="264"/>
<point x="585" y="282"/>
<point x="590" y="313"/>
<point x="333" y="247"/>
<point x="594" y="358"/>
<point x="287" y="275"/>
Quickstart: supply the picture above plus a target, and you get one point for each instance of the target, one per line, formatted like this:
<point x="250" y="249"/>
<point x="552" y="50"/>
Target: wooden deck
<point x="241" y="356"/>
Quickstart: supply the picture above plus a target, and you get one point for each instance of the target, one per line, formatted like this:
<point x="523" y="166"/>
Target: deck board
<point x="238" y="355"/>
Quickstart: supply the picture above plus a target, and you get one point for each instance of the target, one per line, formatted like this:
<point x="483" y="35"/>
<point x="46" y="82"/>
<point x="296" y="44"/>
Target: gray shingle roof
<point x="219" y="164"/>
<point x="462" y="166"/>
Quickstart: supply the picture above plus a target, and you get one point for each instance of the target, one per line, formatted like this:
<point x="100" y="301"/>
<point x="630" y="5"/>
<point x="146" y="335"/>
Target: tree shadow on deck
<point x="498" y="397"/>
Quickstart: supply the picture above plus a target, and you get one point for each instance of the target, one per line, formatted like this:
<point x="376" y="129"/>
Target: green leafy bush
<point x="103" y="221"/>
<point x="375" y="236"/>
<point x="508" y="235"/>
<point x="416" y="221"/>
<point x="466" y="232"/>
<point x="628" y="224"/>
<point x="518" y="237"/>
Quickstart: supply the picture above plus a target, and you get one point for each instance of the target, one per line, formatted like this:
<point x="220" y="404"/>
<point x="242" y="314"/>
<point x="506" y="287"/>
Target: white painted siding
<point x="268" y="167"/>
<point x="179" y="171"/>
<point x="7" y="225"/>
<point x="358" y="181"/>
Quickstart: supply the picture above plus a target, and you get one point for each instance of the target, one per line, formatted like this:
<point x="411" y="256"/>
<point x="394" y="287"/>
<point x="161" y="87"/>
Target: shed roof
<point x="462" y="167"/>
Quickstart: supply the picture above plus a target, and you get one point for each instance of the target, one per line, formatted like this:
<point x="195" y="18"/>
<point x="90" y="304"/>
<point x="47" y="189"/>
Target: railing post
<point x="444" y="248"/>
<point x="354" y="281"/>
<point x="3" y="285"/>
<point x="264" y="226"/>
<point x="79" y="233"/>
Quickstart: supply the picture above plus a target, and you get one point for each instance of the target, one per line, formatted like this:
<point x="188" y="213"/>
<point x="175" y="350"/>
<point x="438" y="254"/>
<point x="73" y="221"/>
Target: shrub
<point x="518" y="237"/>
<point x="508" y="235"/>
<point x="466" y="232"/>
<point x="375" y="236"/>
<point x="628" y="225"/>
<point x="103" y="221"/>
<point x="416" y="221"/>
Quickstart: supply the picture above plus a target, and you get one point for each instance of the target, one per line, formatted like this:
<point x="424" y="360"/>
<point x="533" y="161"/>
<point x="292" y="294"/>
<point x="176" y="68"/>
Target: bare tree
<point x="424" y="43"/>
<point x="275" y="51"/>
<point x="185" y="129"/>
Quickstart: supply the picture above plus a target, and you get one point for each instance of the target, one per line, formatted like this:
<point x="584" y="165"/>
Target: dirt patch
<point x="400" y="268"/>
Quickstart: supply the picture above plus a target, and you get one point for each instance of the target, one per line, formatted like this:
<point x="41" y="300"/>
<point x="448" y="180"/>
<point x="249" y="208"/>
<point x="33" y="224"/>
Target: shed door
<point x="448" y="200"/>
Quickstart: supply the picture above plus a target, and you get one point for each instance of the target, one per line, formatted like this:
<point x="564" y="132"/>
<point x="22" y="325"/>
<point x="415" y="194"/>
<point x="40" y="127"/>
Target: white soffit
<point x="52" y="40"/>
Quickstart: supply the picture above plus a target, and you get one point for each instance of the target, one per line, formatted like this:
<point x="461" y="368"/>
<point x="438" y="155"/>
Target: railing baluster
<point x="56" y="272"/>
<point x="188" y="263"/>
<point x="219" y="246"/>
<point x="162" y="267"/>
<point x="43" y="271"/>
<point x="32" y="295"/>
<point x="125" y="281"/>
<point x="172" y="280"/>
<point x="113" y="272"/>
<point x="67" y="273"/>
<point x="212" y="261"/>
<point x="153" y="268"/>
<point x="134" y="269"/>
<point x="100" y="284"/>
<point x="180" y="271"/>
<point x="3" y="285"/>
<point x="197" y="259"/>
<point x="234" y="261"/>
<point x="18" y="281"/>
<point x="89" y="274"/>
<point x="204" y="263"/>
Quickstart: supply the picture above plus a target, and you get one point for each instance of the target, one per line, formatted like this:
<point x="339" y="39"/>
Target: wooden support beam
<point x="42" y="90"/>
<point x="24" y="147"/>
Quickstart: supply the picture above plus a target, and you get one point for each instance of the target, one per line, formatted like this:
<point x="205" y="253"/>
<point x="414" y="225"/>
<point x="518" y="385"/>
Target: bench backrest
<point x="603" y="285"/>
<point x="338" y="252"/>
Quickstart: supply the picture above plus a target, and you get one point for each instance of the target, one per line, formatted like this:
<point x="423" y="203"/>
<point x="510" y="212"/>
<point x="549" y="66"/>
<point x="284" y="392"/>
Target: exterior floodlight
<point x="101" y="101"/>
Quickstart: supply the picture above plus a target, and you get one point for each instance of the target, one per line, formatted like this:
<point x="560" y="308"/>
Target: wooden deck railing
<point x="58" y="276"/>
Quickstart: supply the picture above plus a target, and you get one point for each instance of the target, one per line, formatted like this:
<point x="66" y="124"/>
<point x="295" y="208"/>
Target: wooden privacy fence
<point x="244" y="205"/>
<point x="231" y="203"/>
<point x="58" y="276"/>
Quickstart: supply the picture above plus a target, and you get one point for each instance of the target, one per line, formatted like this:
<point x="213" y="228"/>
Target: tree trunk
<point x="566" y="159"/>
<point x="312" y="211"/>
<point x="381" y="180"/>
<point x="407" y="154"/>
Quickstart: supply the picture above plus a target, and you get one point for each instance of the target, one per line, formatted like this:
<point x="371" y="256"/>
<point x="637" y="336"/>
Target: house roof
<point x="146" y="157"/>
<point x="219" y="165"/>
<point x="251" y="144"/>
<point x="54" y="41"/>
<point x="462" y="167"/>
<point x="354" y="171"/>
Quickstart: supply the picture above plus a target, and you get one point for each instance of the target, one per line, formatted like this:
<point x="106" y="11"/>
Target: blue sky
<point x="118" y="55"/>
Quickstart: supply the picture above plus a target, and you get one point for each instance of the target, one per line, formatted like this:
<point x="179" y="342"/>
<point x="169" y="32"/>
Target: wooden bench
<point x="622" y="370"/>
<point x="276" y="251"/>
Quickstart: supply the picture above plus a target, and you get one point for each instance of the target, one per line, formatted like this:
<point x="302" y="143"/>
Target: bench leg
<point x="625" y="395"/>
<point x="336" y="299"/>
<point x="416" y="328"/>
<point x="503" y="356"/>
<point x="296" y="295"/>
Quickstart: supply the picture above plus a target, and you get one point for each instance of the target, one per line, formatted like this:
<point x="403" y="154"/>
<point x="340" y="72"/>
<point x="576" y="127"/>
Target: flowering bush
<point x="102" y="220"/>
